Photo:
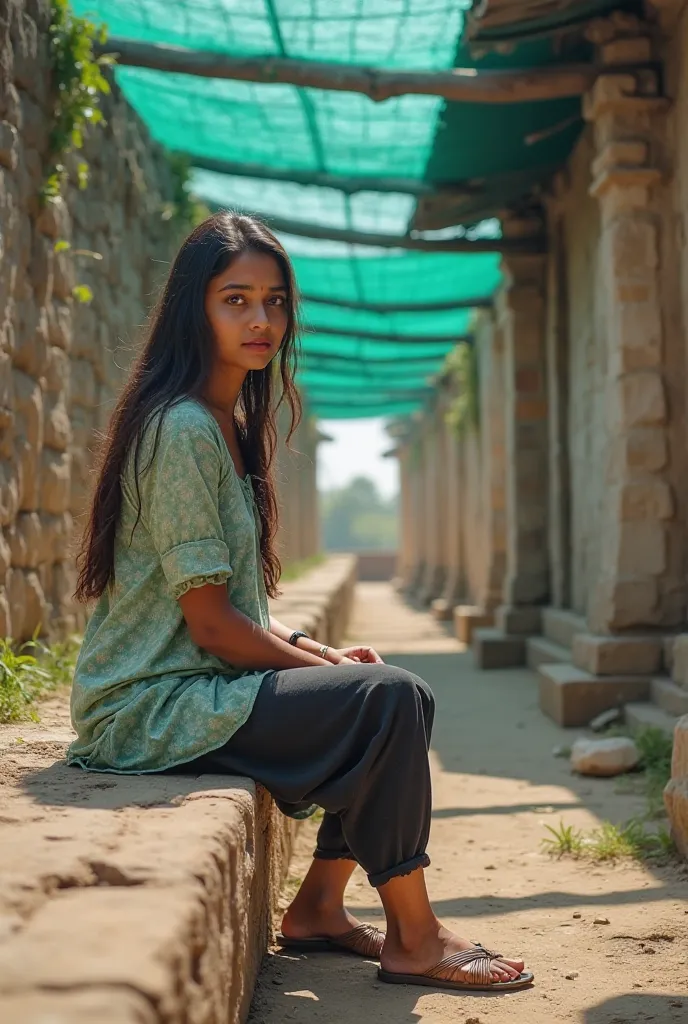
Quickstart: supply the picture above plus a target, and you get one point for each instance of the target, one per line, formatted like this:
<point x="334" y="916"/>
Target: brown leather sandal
<point x="363" y="940"/>
<point x="475" y="962"/>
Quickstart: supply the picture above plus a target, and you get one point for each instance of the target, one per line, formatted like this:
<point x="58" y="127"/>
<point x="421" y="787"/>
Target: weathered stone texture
<point x="58" y="359"/>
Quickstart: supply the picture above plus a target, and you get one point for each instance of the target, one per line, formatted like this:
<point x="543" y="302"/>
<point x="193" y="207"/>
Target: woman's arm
<point x="216" y="626"/>
<point x="304" y="643"/>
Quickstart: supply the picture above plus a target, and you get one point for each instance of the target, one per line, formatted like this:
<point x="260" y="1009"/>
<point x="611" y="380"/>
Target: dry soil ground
<point x="496" y="786"/>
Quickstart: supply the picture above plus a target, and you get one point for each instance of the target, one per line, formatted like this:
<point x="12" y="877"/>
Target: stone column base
<point x="431" y="586"/>
<point x="572" y="697"/>
<point x="505" y="645"/>
<point x="469" y="617"/>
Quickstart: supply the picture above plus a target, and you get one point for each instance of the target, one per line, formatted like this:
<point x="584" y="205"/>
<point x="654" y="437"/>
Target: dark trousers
<point x="353" y="739"/>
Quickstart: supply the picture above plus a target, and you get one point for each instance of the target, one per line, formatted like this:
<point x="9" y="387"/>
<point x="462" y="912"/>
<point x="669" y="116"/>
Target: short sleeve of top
<point x="180" y="502"/>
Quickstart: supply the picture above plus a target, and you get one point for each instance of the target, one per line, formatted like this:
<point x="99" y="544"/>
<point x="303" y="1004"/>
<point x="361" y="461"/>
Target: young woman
<point x="182" y="663"/>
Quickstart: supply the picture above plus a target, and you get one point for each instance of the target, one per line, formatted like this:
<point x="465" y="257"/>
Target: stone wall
<point x="61" y="362"/>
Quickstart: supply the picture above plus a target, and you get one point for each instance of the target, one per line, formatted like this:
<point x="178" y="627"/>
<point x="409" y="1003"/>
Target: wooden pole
<point x="506" y="246"/>
<point x="460" y="85"/>
<point x="398" y="307"/>
<point x="342" y="182"/>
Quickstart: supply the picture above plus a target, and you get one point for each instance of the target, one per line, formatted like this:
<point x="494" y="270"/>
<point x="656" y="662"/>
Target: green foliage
<point x="609" y="842"/>
<point x="357" y="518"/>
<point x="185" y="209"/>
<point x="78" y="82"/>
<point x="27" y="676"/>
<point x="462" y="364"/>
<point x="655" y="759"/>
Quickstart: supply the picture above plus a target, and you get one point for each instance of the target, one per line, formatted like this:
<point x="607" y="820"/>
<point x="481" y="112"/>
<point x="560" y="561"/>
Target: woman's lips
<point x="259" y="346"/>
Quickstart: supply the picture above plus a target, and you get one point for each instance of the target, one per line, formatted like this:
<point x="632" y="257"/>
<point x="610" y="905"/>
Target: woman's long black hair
<point x="175" y="363"/>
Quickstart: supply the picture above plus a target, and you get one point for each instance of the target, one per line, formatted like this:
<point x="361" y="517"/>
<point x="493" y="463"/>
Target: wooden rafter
<point x="460" y="85"/>
<point x="348" y="184"/>
<point x="507" y="246"/>
<point x="399" y="307"/>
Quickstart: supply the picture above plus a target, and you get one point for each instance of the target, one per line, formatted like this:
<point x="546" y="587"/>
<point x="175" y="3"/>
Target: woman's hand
<point x="353" y="655"/>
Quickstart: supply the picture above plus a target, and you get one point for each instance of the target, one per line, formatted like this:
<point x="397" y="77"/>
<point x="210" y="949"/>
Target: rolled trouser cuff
<point x="378" y="879"/>
<point x="333" y="855"/>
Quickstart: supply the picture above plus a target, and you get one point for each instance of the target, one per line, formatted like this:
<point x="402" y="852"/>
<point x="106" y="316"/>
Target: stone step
<point x="540" y="651"/>
<point x="572" y="697"/>
<point x="494" y="649"/>
<point x="560" y="626"/>
<point x="669" y="697"/>
<point x="644" y="715"/>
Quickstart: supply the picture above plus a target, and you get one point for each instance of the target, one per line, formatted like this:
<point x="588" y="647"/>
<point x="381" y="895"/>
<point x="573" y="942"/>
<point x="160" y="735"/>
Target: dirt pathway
<point x="496" y="786"/>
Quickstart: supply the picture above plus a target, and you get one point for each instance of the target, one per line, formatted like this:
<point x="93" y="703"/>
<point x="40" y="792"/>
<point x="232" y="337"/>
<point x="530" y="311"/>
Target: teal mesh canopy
<point x="357" y="361"/>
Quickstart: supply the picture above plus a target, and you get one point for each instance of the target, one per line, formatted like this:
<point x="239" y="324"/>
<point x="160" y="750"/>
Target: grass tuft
<point x="609" y="842"/>
<point x="30" y="671"/>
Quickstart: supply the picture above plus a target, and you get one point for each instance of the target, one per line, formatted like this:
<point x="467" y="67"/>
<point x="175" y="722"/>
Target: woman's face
<point x="247" y="306"/>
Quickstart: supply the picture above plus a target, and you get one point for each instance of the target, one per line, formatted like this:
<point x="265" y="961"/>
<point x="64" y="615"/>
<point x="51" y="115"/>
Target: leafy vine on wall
<point x="463" y="415"/>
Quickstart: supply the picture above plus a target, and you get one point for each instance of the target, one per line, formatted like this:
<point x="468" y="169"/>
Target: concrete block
<point x="617" y="656"/>
<point x="467" y="618"/>
<point x="572" y="697"/>
<point x="669" y="697"/>
<point x="540" y="651"/>
<point x="676" y="803"/>
<point x="494" y="649"/>
<point x="561" y="625"/>
<point x="643" y="715"/>
<point x="525" y="620"/>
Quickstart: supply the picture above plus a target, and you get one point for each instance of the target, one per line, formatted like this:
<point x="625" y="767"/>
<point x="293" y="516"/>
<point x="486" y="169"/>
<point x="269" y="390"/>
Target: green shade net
<point x="280" y="126"/>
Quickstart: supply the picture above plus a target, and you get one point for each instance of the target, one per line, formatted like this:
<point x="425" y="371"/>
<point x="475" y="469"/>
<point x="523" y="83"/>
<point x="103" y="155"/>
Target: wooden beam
<point x="320" y="355"/>
<point x="483" y="302"/>
<point x="426" y="339"/>
<point x="460" y="85"/>
<point x="507" y="246"/>
<point x="343" y="183"/>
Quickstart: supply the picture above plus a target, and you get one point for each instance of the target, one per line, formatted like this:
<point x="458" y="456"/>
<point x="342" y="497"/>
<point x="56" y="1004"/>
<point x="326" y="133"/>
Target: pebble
<point x="601" y="920"/>
<point x="572" y="976"/>
<point x="577" y="915"/>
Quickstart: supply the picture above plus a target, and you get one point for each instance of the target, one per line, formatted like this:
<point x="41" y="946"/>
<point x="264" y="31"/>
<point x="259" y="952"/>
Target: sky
<point x="356" y="451"/>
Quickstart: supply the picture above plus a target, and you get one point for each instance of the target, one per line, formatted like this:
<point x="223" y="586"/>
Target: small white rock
<point x="601" y="722"/>
<point x="604" y="757"/>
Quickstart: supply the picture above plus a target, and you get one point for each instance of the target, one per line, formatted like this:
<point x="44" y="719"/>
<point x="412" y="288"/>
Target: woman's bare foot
<point x="426" y="951"/>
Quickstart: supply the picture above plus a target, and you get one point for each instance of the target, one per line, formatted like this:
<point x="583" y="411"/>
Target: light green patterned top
<point x="145" y="696"/>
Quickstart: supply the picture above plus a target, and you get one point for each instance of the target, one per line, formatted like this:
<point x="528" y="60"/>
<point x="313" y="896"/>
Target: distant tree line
<point x="358" y="518"/>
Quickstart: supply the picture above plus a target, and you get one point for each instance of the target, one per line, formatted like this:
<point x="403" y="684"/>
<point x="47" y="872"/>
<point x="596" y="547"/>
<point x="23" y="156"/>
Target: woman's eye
<point x="234" y="300"/>
<point x="278" y="300"/>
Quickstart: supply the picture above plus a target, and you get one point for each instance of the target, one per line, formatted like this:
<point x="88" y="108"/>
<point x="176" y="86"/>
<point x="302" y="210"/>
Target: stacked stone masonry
<point x="571" y="519"/>
<point x="61" y="362"/>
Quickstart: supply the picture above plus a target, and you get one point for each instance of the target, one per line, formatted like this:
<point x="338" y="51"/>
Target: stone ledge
<point x="163" y="884"/>
<point x="669" y="697"/>
<point x="494" y="649"/>
<point x="572" y="697"/>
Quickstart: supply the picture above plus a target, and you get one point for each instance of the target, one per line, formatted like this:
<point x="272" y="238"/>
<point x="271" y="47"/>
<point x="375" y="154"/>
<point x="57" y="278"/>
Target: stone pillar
<point x="484" y="534"/>
<point x="435" y="505"/>
<point x="407" y="552"/>
<point x="521" y="315"/>
<point x="640" y="588"/>
<point x="640" y="584"/>
<point x="453" y="592"/>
